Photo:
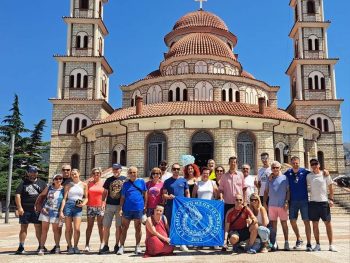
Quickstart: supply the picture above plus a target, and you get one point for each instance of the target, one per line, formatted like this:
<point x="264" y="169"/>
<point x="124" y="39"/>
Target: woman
<point x="260" y="213"/>
<point x="157" y="238"/>
<point x="50" y="212"/>
<point x="192" y="175"/>
<point x="94" y="205"/>
<point x="219" y="171"/>
<point x="133" y="202"/>
<point x="154" y="190"/>
<point x="205" y="189"/>
<point x="75" y="197"/>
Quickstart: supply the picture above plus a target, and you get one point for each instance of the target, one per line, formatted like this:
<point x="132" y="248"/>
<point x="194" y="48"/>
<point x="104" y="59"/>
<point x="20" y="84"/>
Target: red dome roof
<point x="200" y="44"/>
<point x="247" y="75"/>
<point x="200" y="18"/>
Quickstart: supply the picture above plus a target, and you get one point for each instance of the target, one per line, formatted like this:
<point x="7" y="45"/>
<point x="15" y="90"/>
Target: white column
<point x="60" y="80"/>
<point x="69" y="39"/>
<point x="72" y="8"/>
<point x="322" y="10"/>
<point x="107" y="90"/>
<point x="334" y="84"/>
<point x="299" y="83"/>
<point x="325" y="43"/>
<point x="301" y="43"/>
<point x="300" y="13"/>
<point x="96" y="40"/>
<point x="98" y="81"/>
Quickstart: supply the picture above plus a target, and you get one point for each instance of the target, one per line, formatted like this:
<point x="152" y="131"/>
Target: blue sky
<point x="33" y="31"/>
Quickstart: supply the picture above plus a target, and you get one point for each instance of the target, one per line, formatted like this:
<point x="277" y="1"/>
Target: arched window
<point x="169" y="71"/>
<point x="114" y="157"/>
<point x="123" y="157"/>
<point x="202" y="147"/>
<point x="76" y="124"/>
<point x="184" y="94"/>
<point x="311" y="10"/>
<point x="133" y="98"/>
<point x="81" y="40"/>
<point x="85" y="81"/>
<point x="203" y="91"/>
<point x="177" y="94"/>
<point x="218" y="68"/>
<point x="182" y="68"/>
<point x="78" y="80"/>
<point x="156" y="150"/>
<point x="315" y="80"/>
<point x="170" y="95"/>
<point x="69" y="126"/>
<point x="309" y="43"/>
<point x="78" y="42"/>
<point x="323" y="83"/>
<point x="310" y="83"/>
<point x="75" y="161"/>
<point x="223" y="95"/>
<point x="201" y="67"/>
<point x="312" y="122"/>
<point x="86" y="41"/>
<point x="154" y="94"/>
<point x="317" y="44"/>
<point x="246" y="150"/>
<point x="320" y="157"/>
<point x="325" y="125"/>
<point x="322" y="122"/>
<point x="319" y="123"/>
<point x="71" y="81"/>
<point x="83" y="123"/>
<point x="230" y="94"/>
<point x="251" y="96"/>
<point x="237" y="96"/>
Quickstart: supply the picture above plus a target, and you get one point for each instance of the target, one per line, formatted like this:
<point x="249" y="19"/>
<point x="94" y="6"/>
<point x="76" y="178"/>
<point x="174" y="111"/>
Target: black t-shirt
<point x="29" y="192"/>
<point x="66" y="181"/>
<point x="114" y="186"/>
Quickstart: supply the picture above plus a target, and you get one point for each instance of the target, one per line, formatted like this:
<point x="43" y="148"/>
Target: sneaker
<point x="20" y="250"/>
<point x="183" y="248"/>
<point x="317" y="248"/>
<point x="104" y="250"/>
<point x="308" y="248"/>
<point x="138" y="249"/>
<point x="251" y="251"/>
<point x="76" y="250"/>
<point x="332" y="248"/>
<point x="57" y="250"/>
<point x="216" y="247"/>
<point x="87" y="249"/>
<point x="120" y="250"/>
<point x="70" y="251"/>
<point x="116" y="248"/>
<point x="53" y="250"/>
<point x="41" y="252"/>
<point x="38" y="249"/>
<point x="298" y="244"/>
<point x="286" y="246"/>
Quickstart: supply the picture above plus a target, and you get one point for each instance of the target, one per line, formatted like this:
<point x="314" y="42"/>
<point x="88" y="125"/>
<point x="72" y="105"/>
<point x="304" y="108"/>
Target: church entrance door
<point x="202" y="148"/>
<point x="156" y="150"/>
<point x="246" y="151"/>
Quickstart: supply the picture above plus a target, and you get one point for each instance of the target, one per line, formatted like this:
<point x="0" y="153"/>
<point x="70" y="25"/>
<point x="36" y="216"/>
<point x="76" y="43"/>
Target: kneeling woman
<point x="157" y="239"/>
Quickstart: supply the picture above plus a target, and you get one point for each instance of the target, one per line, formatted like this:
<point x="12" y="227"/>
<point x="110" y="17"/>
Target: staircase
<point x="341" y="201"/>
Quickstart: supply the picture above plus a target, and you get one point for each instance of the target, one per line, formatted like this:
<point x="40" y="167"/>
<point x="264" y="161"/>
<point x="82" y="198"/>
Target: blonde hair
<point x="96" y="169"/>
<point x="255" y="196"/>
<point x="155" y="170"/>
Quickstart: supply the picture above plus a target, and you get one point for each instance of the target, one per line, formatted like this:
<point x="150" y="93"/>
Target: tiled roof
<point x="247" y="75"/>
<point x="153" y="74"/>
<point x="200" y="44"/>
<point x="200" y="18"/>
<point x="198" y="108"/>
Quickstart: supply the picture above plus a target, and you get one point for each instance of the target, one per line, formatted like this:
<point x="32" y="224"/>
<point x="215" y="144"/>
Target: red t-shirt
<point x="95" y="191"/>
<point x="241" y="221"/>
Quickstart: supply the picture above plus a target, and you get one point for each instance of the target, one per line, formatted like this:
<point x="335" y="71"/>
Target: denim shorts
<point x="264" y="233"/>
<point x="295" y="207"/>
<point x="131" y="215"/>
<point x="29" y="218"/>
<point x="70" y="210"/>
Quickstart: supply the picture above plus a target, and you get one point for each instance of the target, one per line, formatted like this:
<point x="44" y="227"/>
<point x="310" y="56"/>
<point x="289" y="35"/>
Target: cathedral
<point x="199" y="101"/>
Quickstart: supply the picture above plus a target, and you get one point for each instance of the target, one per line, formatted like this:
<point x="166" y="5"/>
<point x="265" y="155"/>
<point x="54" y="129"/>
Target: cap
<point x="32" y="169"/>
<point x="314" y="161"/>
<point x="116" y="166"/>
<point x="56" y="175"/>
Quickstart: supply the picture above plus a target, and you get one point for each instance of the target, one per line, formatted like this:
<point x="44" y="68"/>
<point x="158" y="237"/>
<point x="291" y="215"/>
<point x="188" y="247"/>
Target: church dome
<point x="200" y="44"/>
<point x="200" y="19"/>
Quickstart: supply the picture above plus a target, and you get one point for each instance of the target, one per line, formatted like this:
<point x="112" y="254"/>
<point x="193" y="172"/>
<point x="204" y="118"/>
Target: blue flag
<point x="197" y="222"/>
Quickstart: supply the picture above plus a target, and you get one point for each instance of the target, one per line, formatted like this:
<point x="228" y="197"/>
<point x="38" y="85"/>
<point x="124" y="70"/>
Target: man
<point x="231" y="184"/>
<point x="277" y="190"/>
<point x="111" y="205"/>
<point x="174" y="186"/>
<point x="320" y="202"/>
<point x="66" y="173"/>
<point x="249" y="181"/>
<point x="163" y="166"/>
<point x="298" y="201"/>
<point x="211" y="166"/>
<point x="241" y="224"/>
<point x="263" y="176"/>
<point x="26" y="194"/>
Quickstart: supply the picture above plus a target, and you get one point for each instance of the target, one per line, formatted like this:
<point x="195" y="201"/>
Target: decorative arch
<point x="246" y="150"/>
<point x="251" y="96"/>
<point x="202" y="147"/>
<point x="317" y="81"/>
<point x="156" y="149"/>
<point x="322" y="122"/>
<point x="82" y="39"/>
<point x="281" y="152"/>
<point x="78" y="78"/>
<point x="177" y="92"/>
<point x="133" y="97"/>
<point x="203" y="91"/>
<point x="230" y="90"/>
<point x="74" y="122"/>
<point x="182" y="68"/>
<point x="119" y="154"/>
<point x="218" y="68"/>
<point x="313" y="43"/>
<point x="169" y="70"/>
<point x="201" y="67"/>
<point x="154" y="94"/>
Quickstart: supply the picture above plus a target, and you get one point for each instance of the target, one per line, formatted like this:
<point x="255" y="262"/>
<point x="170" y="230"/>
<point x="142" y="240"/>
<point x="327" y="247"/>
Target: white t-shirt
<point x="263" y="177"/>
<point x="249" y="183"/>
<point x="318" y="184"/>
<point x="205" y="189"/>
<point x="166" y="176"/>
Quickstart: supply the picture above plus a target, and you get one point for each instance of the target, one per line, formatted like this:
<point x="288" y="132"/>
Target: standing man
<point x="26" y="194"/>
<point x="320" y="202"/>
<point x="111" y="205"/>
<point x="211" y="166"/>
<point x="232" y="184"/>
<point x="249" y="181"/>
<point x="277" y="190"/>
<point x="163" y="166"/>
<point x="263" y="176"/>
<point x="299" y="201"/>
<point x="174" y="186"/>
<point x="66" y="173"/>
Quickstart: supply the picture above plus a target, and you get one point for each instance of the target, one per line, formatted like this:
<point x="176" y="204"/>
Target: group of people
<point x="252" y="205"/>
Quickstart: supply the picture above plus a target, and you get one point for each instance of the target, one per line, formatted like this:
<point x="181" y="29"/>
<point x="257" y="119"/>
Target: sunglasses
<point x="239" y="200"/>
<point x="245" y="168"/>
<point x="275" y="167"/>
<point x="253" y="200"/>
<point x="66" y="170"/>
<point x="220" y="171"/>
<point x="313" y="164"/>
<point x="132" y="172"/>
<point x="176" y="169"/>
<point x="58" y="179"/>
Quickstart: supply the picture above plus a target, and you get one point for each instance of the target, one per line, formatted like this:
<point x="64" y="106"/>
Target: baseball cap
<point x="116" y="166"/>
<point x="32" y="169"/>
<point x="56" y="175"/>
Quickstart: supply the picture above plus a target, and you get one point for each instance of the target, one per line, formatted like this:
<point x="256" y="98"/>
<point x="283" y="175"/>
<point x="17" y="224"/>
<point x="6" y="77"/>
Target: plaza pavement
<point x="341" y="227"/>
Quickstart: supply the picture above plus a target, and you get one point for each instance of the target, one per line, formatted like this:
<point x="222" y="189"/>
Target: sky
<point x="33" y="31"/>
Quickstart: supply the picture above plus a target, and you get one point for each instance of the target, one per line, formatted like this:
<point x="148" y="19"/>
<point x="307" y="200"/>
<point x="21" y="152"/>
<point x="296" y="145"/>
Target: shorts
<point x="295" y="207"/>
<point x="29" y="218"/>
<point x="70" y="210"/>
<point x="243" y="234"/>
<point x="319" y="210"/>
<point x="131" y="215"/>
<point x="264" y="233"/>
<point x="277" y="212"/>
<point x="109" y="213"/>
<point x="49" y="216"/>
<point x="93" y="211"/>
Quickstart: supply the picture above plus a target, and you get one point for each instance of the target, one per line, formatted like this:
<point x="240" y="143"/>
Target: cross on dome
<point x="201" y="3"/>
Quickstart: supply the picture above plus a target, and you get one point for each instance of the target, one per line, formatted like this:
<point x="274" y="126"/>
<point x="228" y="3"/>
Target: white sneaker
<point x="317" y="248"/>
<point x="183" y="248"/>
<point x="41" y="252"/>
<point x="286" y="246"/>
<point x="332" y="248"/>
<point x="87" y="249"/>
<point x="120" y="250"/>
<point x="138" y="249"/>
<point x="216" y="247"/>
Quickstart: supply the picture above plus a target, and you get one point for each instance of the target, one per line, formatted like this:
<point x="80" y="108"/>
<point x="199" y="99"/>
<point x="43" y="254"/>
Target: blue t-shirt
<point x="297" y="184"/>
<point x="133" y="198"/>
<point x="175" y="187"/>
<point x="277" y="191"/>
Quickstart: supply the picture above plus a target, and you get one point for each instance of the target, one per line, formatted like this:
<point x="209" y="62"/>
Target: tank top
<point x="76" y="191"/>
<point x="54" y="198"/>
<point x="95" y="191"/>
<point x="259" y="217"/>
<point x="205" y="190"/>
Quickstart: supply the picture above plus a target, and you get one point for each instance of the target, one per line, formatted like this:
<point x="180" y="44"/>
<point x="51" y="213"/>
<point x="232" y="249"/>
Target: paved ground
<point x="341" y="224"/>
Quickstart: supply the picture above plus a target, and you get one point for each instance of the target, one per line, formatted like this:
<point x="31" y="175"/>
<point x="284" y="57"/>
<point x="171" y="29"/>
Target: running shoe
<point x="332" y="248"/>
<point x="298" y="244"/>
<point x="120" y="250"/>
<point x="183" y="248"/>
<point x="76" y="250"/>
<point x="308" y="248"/>
<point x="104" y="250"/>
<point x="317" y="248"/>
<point x="70" y="251"/>
<point x="20" y="250"/>
<point x="87" y="249"/>
<point x="286" y="246"/>
<point x="41" y="252"/>
<point x="116" y="248"/>
<point x="138" y="249"/>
